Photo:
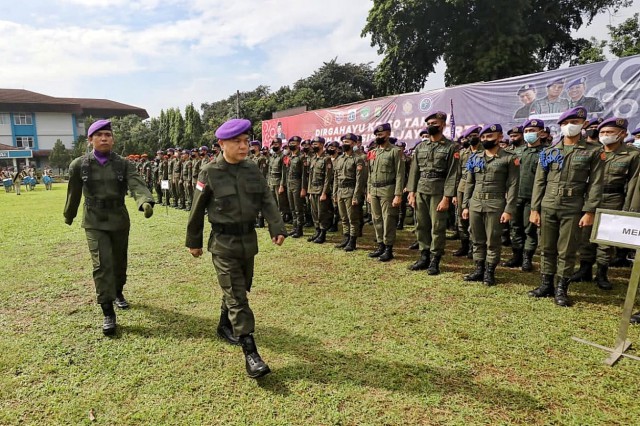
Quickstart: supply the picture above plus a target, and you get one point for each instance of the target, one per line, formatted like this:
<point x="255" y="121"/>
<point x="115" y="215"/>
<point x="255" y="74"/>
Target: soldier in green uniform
<point x="527" y="94"/>
<point x="515" y="138"/>
<point x="177" y="181"/>
<point x="232" y="191"/>
<point x="296" y="184"/>
<point x="471" y="138"/>
<point x="196" y="162"/>
<point x="385" y="186"/>
<point x="103" y="177"/>
<point x="576" y="90"/>
<point x="524" y="234"/>
<point x="276" y="175"/>
<point x="489" y="201"/>
<point x="156" y="170"/>
<point x="431" y="186"/>
<point x="261" y="162"/>
<point x="566" y="192"/>
<point x="173" y="192"/>
<point x="187" y="175"/>
<point x="164" y="175"/>
<point x="305" y="150"/>
<point x="320" y="185"/>
<point x="349" y="181"/>
<point x="553" y="103"/>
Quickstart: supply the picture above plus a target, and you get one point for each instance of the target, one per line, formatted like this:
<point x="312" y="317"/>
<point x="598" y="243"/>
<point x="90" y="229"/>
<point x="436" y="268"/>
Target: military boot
<point x="602" y="281"/>
<point x="377" y="252"/>
<point x="322" y="237"/>
<point x="423" y="262"/>
<point x="463" y="250"/>
<point x="489" y="278"/>
<point x="546" y="287"/>
<point x="109" y="322"/>
<point x="527" y="260"/>
<point x="255" y="366"/>
<point x="477" y="274"/>
<point x="287" y="218"/>
<point x="434" y="266"/>
<point x="261" y="222"/>
<point x="620" y="260"/>
<point x="334" y="224"/>
<point x="387" y="255"/>
<point x="506" y="238"/>
<point x="635" y="318"/>
<point x="121" y="302"/>
<point x="584" y="273"/>
<point x="561" y="297"/>
<point x="516" y="260"/>
<point x="314" y="236"/>
<point x="351" y="245"/>
<point x="344" y="242"/>
<point x="470" y="254"/>
<point x="297" y="231"/>
<point x="400" y="224"/>
<point x="225" y="329"/>
<point x="414" y="246"/>
<point x="309" y="221"/>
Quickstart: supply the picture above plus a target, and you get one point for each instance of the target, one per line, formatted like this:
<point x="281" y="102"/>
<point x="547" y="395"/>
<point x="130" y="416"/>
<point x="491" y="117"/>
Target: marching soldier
<point x="489" y="201"/>
<point x="296" y="184"/>
<point x="385" y="186"/>
<point x="566" y="193"/>
<point x="431" y="186"/>
<point x="350" y="177"/>
<point x="320" y="185"/>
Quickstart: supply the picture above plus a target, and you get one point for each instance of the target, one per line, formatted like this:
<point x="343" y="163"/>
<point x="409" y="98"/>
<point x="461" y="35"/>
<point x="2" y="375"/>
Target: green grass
<point x="351" y="341"/>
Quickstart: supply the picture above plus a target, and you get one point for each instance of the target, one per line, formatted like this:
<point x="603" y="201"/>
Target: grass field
<point x="350" y="341"/>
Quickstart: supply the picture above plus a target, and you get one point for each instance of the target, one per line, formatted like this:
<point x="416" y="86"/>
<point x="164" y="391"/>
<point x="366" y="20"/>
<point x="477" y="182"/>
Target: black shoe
<point x="635" y="318"/>
<point x="297" y="232"/>
<point x="506" y="240"/>
<point x="489" y="278"/>
<point x="602" y="281"/>
<point x="377" y="252"/>
<point x="387" y="255"/>
<point x="121" y="302"/>
<point x="225" y="329"/>
<point x="351" y="245"/>
<point x="414" y="246"/>
<point x="322" y="237"/>
<point x="516" y="260"/>
<point x="334" y="224"/>
<point x="314" y="236"/>
<point x="546" y="287"/>
<point x="423" y="262"/>
<point x="254" y="364"/>
<point x="527" y="260"/>
<point x="344" y="242"/>
<point x="463" y="250"/>
<point x="470" y="254"/>
<point x="261" y="222"/>
<point x="109" y="323"/>
<point x="620" y="260"/>
<point x="434" y="266"/>
<point x="477" y="274"/>
<point x="561" y="297"/>
<point x="400" y="224"/>
<point x="583" y="274"/>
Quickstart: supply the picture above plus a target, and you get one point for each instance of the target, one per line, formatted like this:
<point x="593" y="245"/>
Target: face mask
<point x="331" y="151"/>
<point x="531" y="137"/>
<point x="286" y="151"/>
<point x="292" y="147"/>
<point x="275" y="148"/>
<point x="489" y="144"/>
<point x="346" y="148"/>
<point x="465" y="144"/>
<point x="253" y="151"/>
<point x="433" y="130"/>
<point x="305" y="149"/>
<point x="315" y="148"/>
<point x="516" y="142"/>
<point x="609" y="139"/>
<point x="380" y="141"/>
<point x="636" y="143"/>
<point x="592" y="133"/>
<point x="474" y="141"/>
<point x="356" y="148"/>
<point x="571" y="130"/>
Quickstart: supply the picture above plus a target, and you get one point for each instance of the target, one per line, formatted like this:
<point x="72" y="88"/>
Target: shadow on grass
<point x="172" y="324"/>
<point x="326" y="366"/>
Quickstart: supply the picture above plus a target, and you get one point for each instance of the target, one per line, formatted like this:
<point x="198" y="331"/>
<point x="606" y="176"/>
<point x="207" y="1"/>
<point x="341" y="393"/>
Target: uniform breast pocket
<point x="618" y="169"/>
<point x="441" y="158"/>
<point x="223" y="198"/>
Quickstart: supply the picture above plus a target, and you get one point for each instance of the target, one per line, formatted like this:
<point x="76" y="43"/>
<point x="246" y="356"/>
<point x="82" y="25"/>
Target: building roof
<point x="4" y="147"/>
<point x="20" y="100"/>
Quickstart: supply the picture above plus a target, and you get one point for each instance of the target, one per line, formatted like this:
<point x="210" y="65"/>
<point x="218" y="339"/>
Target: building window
<point x="22" y="119"/>
<point x="24" y="141"/>
<point x="4" y="119"/>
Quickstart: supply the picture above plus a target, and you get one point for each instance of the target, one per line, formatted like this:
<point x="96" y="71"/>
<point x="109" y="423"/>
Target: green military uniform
<point x="349" y="182"/>
<point x="177" y="182"/>
<point x="320" y="182"/>
<point x="547" y="106"/>
<point x="105" y="220"/>
<point x="590" y="103"/>
<point x="276" y="179"/>
<point x="187" y="175"/>
<point x="295" y="180"/>
<point x="432" y="176"/>
<point x="173" y="190"/>
<point x="164" y="175"/>
<point x="195" y="172"/>
<point x="463" y="224"/>
<point x="155" y="177"/>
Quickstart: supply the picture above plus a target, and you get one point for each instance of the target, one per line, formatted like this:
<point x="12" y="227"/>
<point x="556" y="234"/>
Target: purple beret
<point x="533" y="122"/>
<point x="490" y="128"/>
<point x="472" y="129"/>
<point x="620" y="123"/>
<point x="359" y="138"/>
<point x="393" y="141"/>
<point x="295" y="139"/>
<point x="194" y="150"/>
<point x="595" y="121"/>
<point x="204" y="148"/>
<point x="159" y="152"/>
<point x="276" y="140"/>
<point x="254" y="143"/>
<point x="515" y="129"/>
<point x="528" y="86"/>
<point x="577" y="112"/>
<point x="170" y="150"/>
<point x="98" y="125"/>
<point x="636" y="132"/>
<point x="438" y="114"/>
<point x="233" y="128"/>
<point x="424" y="132"/>
<point x="382" y="128"/>
<point x="186" y="151"/>
<point x="335" y="143"/>
<point x="350" y="137"/>
<point x="401" y="144"/>
<point x="318" y="139"/>
<point x="547" y="130"/>
<point x="576" y="82"/>
<point x="559" y="80"/>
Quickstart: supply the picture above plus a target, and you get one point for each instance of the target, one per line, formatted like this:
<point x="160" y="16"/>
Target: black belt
<point x="432" y="175"/>
<point x="233" y="228"/>
<point x="489" y="195"/>
<point x="567" y="192"/>
<point x="613" y="189"/>
<point x="107" y="203"/>
<point x="382" y="184"/>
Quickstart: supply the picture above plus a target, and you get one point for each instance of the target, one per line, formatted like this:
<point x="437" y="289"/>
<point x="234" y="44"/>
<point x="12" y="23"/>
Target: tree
<point x="593" y="51"/>
<point x="625" y="38"/>
<point x="193" y="128"/>
<point x="59" y="158"/>
<point x="479" y="40"/>
<point x="79" y="147"/>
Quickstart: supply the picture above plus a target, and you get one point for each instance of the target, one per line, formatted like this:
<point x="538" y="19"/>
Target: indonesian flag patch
<point x="200" y="186"/>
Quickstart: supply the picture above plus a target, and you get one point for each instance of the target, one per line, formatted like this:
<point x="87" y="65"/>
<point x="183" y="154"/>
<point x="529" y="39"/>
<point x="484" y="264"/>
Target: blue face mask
<point x="531" y="137"/>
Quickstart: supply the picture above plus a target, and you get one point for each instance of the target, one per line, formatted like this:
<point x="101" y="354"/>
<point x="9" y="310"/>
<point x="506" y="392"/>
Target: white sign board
<point x="164" y="184"/>
<point x="622" y="229"/>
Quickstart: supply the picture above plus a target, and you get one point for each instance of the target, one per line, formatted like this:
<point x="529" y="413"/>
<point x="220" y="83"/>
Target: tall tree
<point x="479" y="40"/>
<point x="593" y="51"/>
<point x="59" y="158"/>
<point x="193" y="128"/>
<point x="625" y="38"/>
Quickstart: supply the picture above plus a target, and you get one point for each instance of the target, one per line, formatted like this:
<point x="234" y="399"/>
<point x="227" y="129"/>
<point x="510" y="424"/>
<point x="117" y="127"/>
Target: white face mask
<point x="571" y="130"/>
<point x="636" y="143"/>
<point x="609" y="139"/>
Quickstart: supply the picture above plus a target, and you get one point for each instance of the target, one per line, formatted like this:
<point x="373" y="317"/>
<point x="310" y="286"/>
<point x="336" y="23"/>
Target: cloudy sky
<point x="164" y="53"/>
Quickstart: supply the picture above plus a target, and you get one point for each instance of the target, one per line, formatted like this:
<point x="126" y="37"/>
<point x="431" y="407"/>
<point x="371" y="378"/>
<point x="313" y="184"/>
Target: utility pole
<point x="237" y="104"/>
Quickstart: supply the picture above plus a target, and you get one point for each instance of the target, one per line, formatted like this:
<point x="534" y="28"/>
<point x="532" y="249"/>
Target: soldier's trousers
<point x="350" y="216"/>
<point x="235" y="277"/>
<point x="188" y="193"/>
<point x="524" y="234"/>
<point x="281" y="199"/>
<point x="431" y="225"/>
<point x="385" y="219"/>
<point x="321" y="211"/>
<point x="594" y="252"/>
<point x="463" y="224"/>
<point x="486" y="230"/>
<point x="159" y="192"/>
<point x="109" y="258"/>
<point x="296" y="202"/>
<point x="559" y="241"/>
